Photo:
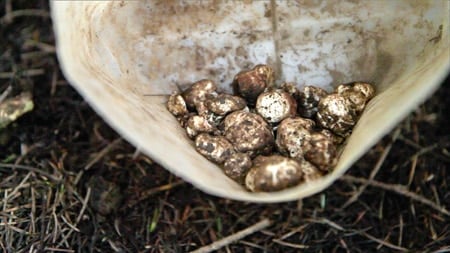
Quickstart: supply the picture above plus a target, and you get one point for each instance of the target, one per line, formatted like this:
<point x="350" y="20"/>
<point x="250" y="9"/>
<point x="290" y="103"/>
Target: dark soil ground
<point x="69" y="183"/>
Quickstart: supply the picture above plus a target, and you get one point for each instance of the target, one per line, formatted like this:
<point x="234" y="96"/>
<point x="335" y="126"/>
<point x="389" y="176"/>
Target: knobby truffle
<point x="293" y="137"/>
<point x="308" y="101"/>
<point x="248" y="132"/>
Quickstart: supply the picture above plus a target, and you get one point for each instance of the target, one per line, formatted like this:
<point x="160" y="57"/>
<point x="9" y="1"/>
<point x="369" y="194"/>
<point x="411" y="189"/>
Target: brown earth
<point x="68" y="183"/>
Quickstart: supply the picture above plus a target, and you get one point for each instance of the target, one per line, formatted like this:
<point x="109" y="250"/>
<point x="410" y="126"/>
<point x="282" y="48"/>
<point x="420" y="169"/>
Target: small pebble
<point x="273" y="173"/>
<point x="215" y="148"/>
<point x="276" y="105"/>
<point x="248" y="132"/>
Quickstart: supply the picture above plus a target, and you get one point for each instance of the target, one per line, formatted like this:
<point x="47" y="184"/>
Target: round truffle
<point x="273" y="173"/>
<point x="276" y="105"/>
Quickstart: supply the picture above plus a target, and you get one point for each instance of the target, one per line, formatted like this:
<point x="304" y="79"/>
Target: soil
<point x="69" y="183"/>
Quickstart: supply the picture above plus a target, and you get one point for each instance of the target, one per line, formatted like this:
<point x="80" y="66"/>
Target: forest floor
<point x="69" y="183"/>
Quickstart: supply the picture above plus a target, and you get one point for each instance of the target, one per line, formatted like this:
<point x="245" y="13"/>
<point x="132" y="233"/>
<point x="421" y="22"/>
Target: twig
<point x="48" y="48"/>
<point x="293" y="231"/>
<point x="24" y="12"/>
<point x="443" y="250"/>
<point x="43" y="223"/>
<point x="420" y="152"/>
<point x="59" y="250"/>
<point x="442" y="155"/>
<point x="326" y="221"/>
<point x="17" y="188"/>
<point x="80" y="215"/>
<point x="33" y="169"/>
<point x="374" y="172"/>
<point x="254" y="245"/>
<point x="8" y="9"/>
<point x="291" y="245"/>
<point x="102" y="153"/>
<point x="234" y="237"/>
<point x="152" y="191"/>
<point x="400" y="233"/>
<point x="27" y="73"/>
<point x="5" y="93"/>
<point x="384" y="243"/>
<point x="399" y="189"/>
<point x="33" y="211"/>
<point x="84" y="206"/>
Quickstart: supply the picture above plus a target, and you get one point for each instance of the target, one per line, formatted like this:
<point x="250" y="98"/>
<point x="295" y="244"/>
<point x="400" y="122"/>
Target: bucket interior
<point x="125" y="57"/>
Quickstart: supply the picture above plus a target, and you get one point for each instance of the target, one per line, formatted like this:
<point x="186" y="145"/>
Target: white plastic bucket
<point x="124" y="57"/>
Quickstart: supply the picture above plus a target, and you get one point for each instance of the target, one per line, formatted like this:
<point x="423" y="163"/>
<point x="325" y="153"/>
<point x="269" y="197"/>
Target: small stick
<point x="384" y="243"/>
<point x="375" y="170"/>
<point x="5" y="93"/>
<point x="24" y="12"/>
<point x="291" y="245"/>
<point x="234" y="237"/>
<point x="8" y="9"/>
<point x="59" y="250"/>
<point x="27" y="73"/>
<point x="80" y="215"/>
<point x="32" y="169"/>
<point x="146" y="194"/>
<point x="102" y="153"/>
<point x="399" y="189"/>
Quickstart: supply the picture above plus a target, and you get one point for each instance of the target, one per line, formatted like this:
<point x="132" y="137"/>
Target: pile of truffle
<point x="265" y="137"/>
